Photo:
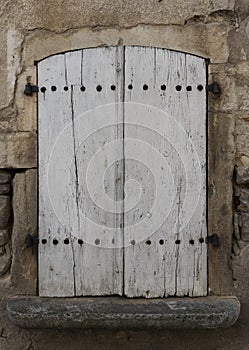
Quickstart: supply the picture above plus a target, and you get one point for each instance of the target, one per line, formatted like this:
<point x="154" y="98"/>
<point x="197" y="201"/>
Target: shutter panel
<point x="171" y="126"/>
<point x="56" y="261"/>
<point x="124" y="123"/>
<point x="99" y="142"/>
<point x="72" y="131"/>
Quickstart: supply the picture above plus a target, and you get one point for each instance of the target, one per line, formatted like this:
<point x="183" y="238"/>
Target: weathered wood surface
<point x="175" y="137"/>
<point x="56" y="261"/>
<point x="129" y="124"/>
<point x="99" y="151"/>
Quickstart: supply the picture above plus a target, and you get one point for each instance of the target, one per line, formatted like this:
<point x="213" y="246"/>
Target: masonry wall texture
<point x="215" y="29"/>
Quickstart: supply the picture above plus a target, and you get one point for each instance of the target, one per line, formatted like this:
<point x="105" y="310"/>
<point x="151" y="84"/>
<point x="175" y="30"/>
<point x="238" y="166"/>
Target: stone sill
<point x="122" y="313"/>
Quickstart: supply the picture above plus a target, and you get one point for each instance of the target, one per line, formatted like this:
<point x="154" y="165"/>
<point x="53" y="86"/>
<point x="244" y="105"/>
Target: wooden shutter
<point x="122" y="173"/>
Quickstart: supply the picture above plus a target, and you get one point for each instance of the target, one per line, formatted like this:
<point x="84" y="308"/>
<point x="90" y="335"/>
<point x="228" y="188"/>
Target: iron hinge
<point x="214" y="240"/>
<point x="30" y="241"/>
<point x="30" y="89"/>
<point x="214" y="88"/>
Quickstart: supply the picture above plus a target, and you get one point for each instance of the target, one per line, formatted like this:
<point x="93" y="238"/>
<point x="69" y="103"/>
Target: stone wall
<point x="240" y="257"/>
<point x="215" y="29"/>
<point x="5" y="222"/>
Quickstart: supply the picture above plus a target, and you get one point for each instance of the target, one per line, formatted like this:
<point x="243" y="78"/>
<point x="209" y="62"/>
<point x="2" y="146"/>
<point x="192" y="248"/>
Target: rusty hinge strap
<point x="214" y="88"/>
<point x="213" y="239"/>
<point x="30" y="89"/>
<point x="31" y="240"/>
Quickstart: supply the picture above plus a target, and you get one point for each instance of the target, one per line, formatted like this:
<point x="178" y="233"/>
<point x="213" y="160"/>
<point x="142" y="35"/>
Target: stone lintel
<point x="122" y="313"/>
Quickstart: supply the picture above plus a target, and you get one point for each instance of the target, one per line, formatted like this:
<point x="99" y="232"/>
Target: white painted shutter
<point x="114" y="123"/>
<point x="167" y="123"/>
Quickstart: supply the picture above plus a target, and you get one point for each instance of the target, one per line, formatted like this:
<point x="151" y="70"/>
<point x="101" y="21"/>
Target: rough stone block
<point x="236" y="249"/>
<point x="206" y="41"/>
<point x="4" y="211"/>
<point x="4" y="237"/>
<point x="8" y="119"/>
<point x="24" y="262"/>
<point x="238" y="42"/>
<point x="243" y="195"/>
<point x="227" y="100"/>
<point x="123" y="313"/>
<point x="80" y="13"/>
<point x="245" y="226"/>
<point x="241" y="134"/>
<point x="242" y="244"/>
<point x="27" y="105"/>
<point x="220" y="5"/>
<point x="236" y="222"/>
<point x="242" y="175"/>
<point x="234" y="86"/>
<point x="242" y="84"/>
<point x="242" y="9"/>
<point x="4" y="188"/>
<point x="240" y="266"/>
<point x="5" y="259"/>
<point x="18" y="150"/>
<point x="242" y="160"/>
<point x="220" y="214"/>
<point x="5" y="177"/>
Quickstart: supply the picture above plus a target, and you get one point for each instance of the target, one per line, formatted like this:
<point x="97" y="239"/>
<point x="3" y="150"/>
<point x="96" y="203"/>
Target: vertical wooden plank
<point x="144" y="255"/>
<point x="73" y="67"/>
<point x="196" y="129"/>
<point x="191" y="269"/>
<point x="167" y="99"/>
<point x="98" y="129"/>
<point x="177" y="107"/>
<point x="153" y="270"/>
<point x="56" y="260"/>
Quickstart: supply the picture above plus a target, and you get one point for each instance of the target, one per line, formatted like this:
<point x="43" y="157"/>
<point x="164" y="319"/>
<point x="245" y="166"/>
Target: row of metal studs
<point x="97" y="241"/>
<point x="130" y="87"/>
